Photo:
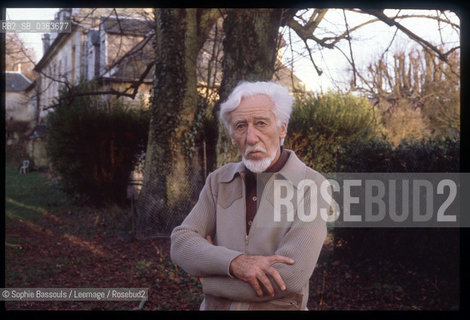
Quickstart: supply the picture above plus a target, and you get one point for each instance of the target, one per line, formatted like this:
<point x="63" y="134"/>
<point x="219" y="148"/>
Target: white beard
<point x="258" y="166"/>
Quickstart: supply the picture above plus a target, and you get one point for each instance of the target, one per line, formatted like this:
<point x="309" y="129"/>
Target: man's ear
<point x="233" y="140"/>
<point x="283" y="132"/>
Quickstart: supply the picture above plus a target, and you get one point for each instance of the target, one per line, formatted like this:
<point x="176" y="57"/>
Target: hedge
<point x="93" y="145"/>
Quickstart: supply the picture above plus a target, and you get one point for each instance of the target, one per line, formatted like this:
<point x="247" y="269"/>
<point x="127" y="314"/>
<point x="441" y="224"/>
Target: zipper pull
<point x="246" y="239"/>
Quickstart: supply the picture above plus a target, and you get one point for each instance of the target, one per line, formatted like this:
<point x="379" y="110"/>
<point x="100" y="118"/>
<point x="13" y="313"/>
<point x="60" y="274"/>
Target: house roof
<point x="126" y="26"/>
<point x="16" y="81"/>
<point x="131" y="66"/>
<point x="112" y="25"/>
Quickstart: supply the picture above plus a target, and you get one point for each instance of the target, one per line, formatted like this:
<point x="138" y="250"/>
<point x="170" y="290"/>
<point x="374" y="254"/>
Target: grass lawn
<point x="28" y="196"/>
<point x="28" y="200"/>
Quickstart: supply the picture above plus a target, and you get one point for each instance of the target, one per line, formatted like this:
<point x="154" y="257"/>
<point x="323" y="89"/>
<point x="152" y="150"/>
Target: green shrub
<point x="375" y="155"/>
<point x="378" y="155"/>
<point x="93" y="144"/>
<point x="321" y="124"/>
<point x="432" y="249"/>
<point x="441" y="154"/>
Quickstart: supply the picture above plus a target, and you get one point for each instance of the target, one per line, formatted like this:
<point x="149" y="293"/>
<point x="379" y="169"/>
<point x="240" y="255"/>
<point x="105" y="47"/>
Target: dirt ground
<point x="67" y="250"/>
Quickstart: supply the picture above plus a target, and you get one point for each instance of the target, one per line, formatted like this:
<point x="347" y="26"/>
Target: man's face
<point x="255" y="130"/>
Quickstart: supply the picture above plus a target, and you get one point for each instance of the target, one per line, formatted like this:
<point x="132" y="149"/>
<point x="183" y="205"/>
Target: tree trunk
<point x="169" y="164"/>
<point x="250" y="50"/>
<point x="173" y="106"/>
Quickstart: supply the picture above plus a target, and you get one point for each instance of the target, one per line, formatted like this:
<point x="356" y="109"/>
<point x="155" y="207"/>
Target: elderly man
<point x="246" y="257"/>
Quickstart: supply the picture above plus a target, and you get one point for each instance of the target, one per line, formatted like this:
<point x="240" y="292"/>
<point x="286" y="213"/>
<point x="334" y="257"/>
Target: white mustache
<point x="250" y="149"/>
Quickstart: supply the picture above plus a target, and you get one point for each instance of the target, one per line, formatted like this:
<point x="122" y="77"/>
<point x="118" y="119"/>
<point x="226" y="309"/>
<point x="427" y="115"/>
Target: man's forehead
<point x="256" y="100"/>
<point x="253" y="114"/>
<point x="258" y="105"/>
<point x="257" y="96"/>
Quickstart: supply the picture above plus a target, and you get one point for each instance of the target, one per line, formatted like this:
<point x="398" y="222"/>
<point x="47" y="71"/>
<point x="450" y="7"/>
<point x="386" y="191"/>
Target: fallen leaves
<point x="73" y="254"/>
<point x="97" y="261"/>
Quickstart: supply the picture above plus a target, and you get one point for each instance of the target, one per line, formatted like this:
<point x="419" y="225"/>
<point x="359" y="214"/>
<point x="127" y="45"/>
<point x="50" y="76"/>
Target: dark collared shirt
<point x="250" y="187"/>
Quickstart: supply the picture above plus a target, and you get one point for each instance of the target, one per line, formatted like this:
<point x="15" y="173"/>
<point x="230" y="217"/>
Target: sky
<point x="32" y="40"/>
<point x="368" y="43"/>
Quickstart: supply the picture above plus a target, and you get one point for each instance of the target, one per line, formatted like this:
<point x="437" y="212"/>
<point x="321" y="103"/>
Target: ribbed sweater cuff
<point x="226" y="258"/>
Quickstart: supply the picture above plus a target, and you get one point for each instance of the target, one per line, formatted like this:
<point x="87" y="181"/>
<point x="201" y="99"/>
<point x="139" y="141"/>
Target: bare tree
<point x="317" y="35"/>
<point x="18" y="57"/>
<point x="417" y="93"/>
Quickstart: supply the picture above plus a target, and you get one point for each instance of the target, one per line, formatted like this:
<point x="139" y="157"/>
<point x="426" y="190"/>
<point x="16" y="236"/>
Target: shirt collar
<point x="294" y="170"/>
<point x="281" y="161"/>
<point x="232" y="170"/>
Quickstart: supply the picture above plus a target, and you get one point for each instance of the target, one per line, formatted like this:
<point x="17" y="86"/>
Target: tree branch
<point x="353" y="64"/>
<point x="391" y="22"/>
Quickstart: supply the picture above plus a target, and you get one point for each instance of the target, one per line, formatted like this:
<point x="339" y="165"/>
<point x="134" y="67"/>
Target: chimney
<point x="46" y="42"/>
<point x="63" y="14"/>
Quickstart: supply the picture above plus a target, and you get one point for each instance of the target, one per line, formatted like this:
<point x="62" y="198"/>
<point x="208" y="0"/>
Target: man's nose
<point x="251" y="136"/>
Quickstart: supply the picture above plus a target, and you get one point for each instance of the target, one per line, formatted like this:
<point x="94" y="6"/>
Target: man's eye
<point x="239" y="126"/>
<point x="261" y="123"/>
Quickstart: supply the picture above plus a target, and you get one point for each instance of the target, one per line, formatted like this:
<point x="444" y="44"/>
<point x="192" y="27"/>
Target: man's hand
<point x="254" y="269"/>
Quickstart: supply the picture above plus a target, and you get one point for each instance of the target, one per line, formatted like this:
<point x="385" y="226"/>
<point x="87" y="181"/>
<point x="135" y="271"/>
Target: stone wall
<point x="16" y="106"/>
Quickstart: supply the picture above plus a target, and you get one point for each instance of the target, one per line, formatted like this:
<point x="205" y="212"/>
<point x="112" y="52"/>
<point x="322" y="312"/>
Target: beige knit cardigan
<point x="220" y="212"/>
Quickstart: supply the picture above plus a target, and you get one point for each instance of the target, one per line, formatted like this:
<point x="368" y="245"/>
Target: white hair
<point x="278" y="94"/>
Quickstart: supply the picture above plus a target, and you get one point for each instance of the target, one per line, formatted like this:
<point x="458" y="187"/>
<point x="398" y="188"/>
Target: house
<point x="17" y="90"/>
<point x="101" y="47"/>
<point x="18" y="113"/>
<point x="105" y="45"/>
